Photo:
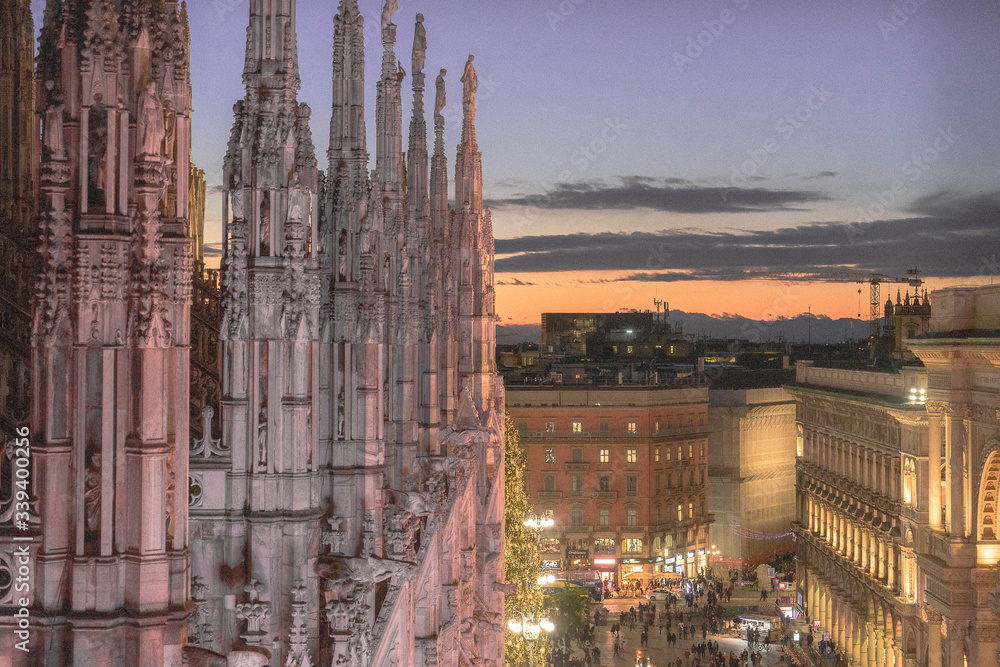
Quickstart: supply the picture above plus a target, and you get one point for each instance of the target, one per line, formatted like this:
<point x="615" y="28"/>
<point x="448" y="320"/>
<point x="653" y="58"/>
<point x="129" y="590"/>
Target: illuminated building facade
<point x="897" y="478"/>
<point x="622" y="470"/>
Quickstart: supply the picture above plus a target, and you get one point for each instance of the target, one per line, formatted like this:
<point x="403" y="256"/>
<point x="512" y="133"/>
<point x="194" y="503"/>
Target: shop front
<point x="577" y="559"/>
<point x="636" y="571"/>
<point x="606" y="568"/>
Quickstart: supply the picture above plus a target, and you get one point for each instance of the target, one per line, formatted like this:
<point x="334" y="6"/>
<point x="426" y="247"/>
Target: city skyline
<point x="687" y="143"/>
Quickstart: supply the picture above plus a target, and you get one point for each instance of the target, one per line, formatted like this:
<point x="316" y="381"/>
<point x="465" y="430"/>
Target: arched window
<point x="988" y="498"/>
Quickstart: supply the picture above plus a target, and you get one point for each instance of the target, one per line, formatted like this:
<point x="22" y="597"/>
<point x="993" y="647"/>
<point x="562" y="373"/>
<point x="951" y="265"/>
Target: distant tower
<point x="110" y="334"/>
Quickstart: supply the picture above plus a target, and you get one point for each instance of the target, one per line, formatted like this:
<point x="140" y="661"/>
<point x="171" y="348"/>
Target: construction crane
<point x="875" y="280"/>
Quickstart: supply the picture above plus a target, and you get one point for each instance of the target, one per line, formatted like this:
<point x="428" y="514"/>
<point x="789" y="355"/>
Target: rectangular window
<point x="577" y="485"/>
<point x="604" y="516"/>
<point x="577" y="455"/>
<point x="631" y="455"/>
<point x="691" y="478"/>
<point x="656" y="426"/>
<point x="550" y="427"/>
<point x="658" y="514"/>
<point x="577" y="428"/>
<point x="522" y="428"/>
<point x="631" y="428"/>
<point x="691" y="451"/>
<point x="690" y="510"/>
<point x="680" y="512"/>
<point x="605" y="483"/>
<point x="632" y="516"/>
<point x="668" y="453"/>
<point x="632" y="546"/>
<point x="670" y="480"/>
<point x="550" y="482"/>
<point x="576" y="516"/>
<point x="605" y="456"/>
<point x="703" y="476"/>
<point x="656" y="454"/>
<point x="605" y="429"/>
<point x="680" y="453"/>
<point x="656" y="489"/>
<point x="631" y="485"/>
<point x="550" y="455"/>
<point x="549" y="514"/>
<point x="604" y="545"/>
<point x="703" y="450"/>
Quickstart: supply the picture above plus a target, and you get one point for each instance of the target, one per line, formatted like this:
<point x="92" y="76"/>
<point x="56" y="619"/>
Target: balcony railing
<point x="605" y="495"/>
<point x="550" y="495"/>
<point x="577" y="466"/>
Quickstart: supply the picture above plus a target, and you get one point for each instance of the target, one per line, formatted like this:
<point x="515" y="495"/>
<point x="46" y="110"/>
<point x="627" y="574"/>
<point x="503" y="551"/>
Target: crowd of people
<point x="691" y="617"/>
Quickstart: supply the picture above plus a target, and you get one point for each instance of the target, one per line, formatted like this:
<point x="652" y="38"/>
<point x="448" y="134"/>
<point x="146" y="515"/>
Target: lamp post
<point x="530" y="627"/>
<point x="537" y="522"/>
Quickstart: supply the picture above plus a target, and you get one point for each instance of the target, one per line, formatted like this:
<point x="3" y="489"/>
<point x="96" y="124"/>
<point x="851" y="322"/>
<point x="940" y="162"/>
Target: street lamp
<point x="544" y="579"/>
<point x="530" y="627"/>
<point x="538" y="522"/>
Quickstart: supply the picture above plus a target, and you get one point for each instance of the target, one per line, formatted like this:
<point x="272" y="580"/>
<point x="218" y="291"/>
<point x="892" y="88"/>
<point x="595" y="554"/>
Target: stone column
<point x="842" y="625"/>
<point x="872" y="637"/>
<point x="828" y="617"/>
<point x="860" y="648"/>
<point x="933" y="620"/>
<point x="955" y="435"/>
<point x="956" y="645"/>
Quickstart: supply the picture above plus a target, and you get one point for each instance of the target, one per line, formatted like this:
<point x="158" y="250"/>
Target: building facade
<point x="751" y="469"/>
<point x="623" y="472"/>
<point x="896" y="480"/>
<point x="345" y="500"/>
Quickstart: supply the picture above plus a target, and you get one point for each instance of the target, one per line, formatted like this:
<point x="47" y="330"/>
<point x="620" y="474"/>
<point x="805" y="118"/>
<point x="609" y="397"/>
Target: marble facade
<point x="345" y="499"/>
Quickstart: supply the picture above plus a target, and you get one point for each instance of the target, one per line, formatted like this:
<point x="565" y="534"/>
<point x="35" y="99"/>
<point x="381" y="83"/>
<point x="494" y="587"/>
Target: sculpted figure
<point x="236" y="195"/>
<point x="296" y="199"/>
<point x="92" y="492"/>
<point x="419" y="45"/>
<point x="53" y="140"/>
<point x="471" y="82"/>
<point x="151" y="126"/>
<point x="390" y="9"/>
<point x="342" y="255"/>
<point x="169" y="128"/>
<point x="439" y="101"/>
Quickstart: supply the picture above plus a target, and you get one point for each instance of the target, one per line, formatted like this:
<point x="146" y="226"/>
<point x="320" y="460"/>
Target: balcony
<point x="605" y="495"/>
<point x="550" y="495"/>
<point x="577" y="529"/>
<point x="577" y="467"/>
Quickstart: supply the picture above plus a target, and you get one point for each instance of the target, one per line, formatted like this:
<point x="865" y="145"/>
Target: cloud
<point x="955" y="241"/>
<point x="513" y="282"/>
<point x="822" y="174"/>
<point x="673" y="195"/>
<point x="213" y="250"/>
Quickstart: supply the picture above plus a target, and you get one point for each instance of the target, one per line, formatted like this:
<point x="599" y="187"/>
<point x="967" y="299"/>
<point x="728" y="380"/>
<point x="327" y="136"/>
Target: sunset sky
<point x="644" y="148"/>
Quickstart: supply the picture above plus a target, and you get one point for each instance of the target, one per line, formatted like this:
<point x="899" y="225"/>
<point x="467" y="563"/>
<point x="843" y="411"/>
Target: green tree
<point x="521" y="566"/>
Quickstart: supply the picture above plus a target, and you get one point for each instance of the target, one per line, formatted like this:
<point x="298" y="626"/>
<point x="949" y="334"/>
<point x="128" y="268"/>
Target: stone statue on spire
<point x="390" y="9"/>
<point x="471" y="82"/>
<point x="439" y="100"/>
<point x="419" y="45"/>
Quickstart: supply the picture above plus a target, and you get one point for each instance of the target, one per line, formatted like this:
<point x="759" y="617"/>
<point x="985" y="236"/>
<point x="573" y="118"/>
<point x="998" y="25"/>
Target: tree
<point x="521" y="566"/>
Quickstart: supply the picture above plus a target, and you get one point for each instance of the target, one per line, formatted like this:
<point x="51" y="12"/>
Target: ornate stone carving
<point x="255" y="613"/>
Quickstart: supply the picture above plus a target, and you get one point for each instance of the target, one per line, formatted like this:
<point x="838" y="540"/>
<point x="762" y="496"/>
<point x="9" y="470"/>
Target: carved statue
<point x="236" y="195"/>
<point x="92" y="491"/>
<point x="53" y="142"/>
<point x="470" y="81"/>
<point x="169" y="128"/>
<point x="342" y="255"/>
<point x="367" y="233"/>
<point x="419" y="45"/>
<point x="390" y="9"/>
<point x="265" y="226"/>
<point x="297" y="196"/>
<point x="340" y="413"/>
<point x="439" y="100"/>
<point x="151" y="128"/>
<point x="98" y="158"/>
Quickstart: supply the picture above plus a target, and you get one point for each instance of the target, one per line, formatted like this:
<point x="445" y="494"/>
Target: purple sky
<point x="645" y="116"/>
